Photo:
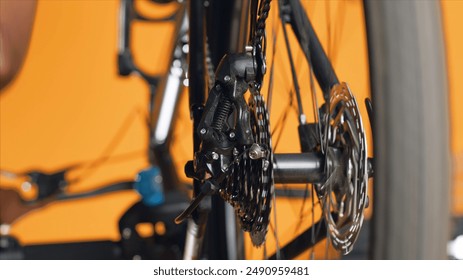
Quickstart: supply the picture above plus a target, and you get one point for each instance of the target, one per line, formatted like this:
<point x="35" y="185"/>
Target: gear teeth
<point x="250" y="190"/>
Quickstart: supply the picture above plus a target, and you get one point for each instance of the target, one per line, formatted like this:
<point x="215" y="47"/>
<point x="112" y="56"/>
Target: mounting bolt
<point x="158" y="179"/>
<point x="232" y="134"/>
<point x="215" y="156"/>
<point x="126" y="233"/>
<point x="256" y="152"/>
<point x="266" y="165"/>
<point x="226" y="78"/>
<point x="203" y="131"/>
<point x="26" y="186"/>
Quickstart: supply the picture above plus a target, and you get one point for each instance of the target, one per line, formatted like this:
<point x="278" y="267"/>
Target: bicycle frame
<point x="305" y="167"/>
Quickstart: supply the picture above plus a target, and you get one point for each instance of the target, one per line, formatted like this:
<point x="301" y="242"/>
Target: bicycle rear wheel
<point x="411" y="215"/>
<point x="411" y="150"/>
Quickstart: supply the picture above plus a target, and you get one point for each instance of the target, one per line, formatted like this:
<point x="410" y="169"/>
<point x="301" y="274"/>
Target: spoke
<point x="280" y="131"/>
<point x="265" y="252"/>
<point x="328" y="27"/>
<point x="277" y="240"/>
<point x="301" y="210"/>
<point x="283" y="116"/>
<point x="303" y="241"/>
<point x="313" y="93"/>
<point x="327" y="244"/>
<point x="280" y="125"/>
<point x="337" y="119"/>
<point x="338" y="30"/>
<point x="349" y="128"/>
<point x="293" y="71"/>
<point x="272" y="68"/>
<point x="312" y="252"/>
<point x="327" y="188"/>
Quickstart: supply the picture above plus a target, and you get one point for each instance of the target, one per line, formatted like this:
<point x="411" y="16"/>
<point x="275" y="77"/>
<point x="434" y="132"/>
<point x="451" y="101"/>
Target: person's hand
<point x="12" y="206"/>
<point x="16" y="19"/>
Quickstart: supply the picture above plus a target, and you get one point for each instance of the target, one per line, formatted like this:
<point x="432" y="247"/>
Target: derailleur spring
<point x="221" y="114"/>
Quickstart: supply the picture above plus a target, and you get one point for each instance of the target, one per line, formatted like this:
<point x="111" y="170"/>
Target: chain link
<point x="263" y="14"/>
<point x="249" y="185"/>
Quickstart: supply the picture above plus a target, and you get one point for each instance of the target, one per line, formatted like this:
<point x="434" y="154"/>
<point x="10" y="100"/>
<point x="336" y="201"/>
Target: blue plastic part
<point x="148" y="184"/>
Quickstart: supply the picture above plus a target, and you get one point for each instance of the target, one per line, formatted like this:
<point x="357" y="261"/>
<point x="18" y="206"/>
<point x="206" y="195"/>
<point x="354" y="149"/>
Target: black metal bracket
<point x="225" y="122"/>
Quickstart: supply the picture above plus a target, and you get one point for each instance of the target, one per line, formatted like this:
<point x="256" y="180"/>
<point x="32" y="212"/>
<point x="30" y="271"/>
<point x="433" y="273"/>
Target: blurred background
<point x="69" y="107"/>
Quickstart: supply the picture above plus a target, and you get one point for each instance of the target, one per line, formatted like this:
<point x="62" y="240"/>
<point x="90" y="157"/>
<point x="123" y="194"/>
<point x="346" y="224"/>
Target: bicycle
<point x="222" y="239"/>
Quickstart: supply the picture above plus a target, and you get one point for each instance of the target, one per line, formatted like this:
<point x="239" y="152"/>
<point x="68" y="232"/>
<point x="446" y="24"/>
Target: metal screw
<point x="126" y="233"/>
<point x="203" y="131"/>
<point x="226" y="78"/>
<point x="215" y="156"/>
<point x="256" y="152"/>
<point x="253" y="154"/>
<point x="232" y="134"/>
<point x="266" y="165"/>
<point x="158" y="179"/>
<point x="26" y="186"/>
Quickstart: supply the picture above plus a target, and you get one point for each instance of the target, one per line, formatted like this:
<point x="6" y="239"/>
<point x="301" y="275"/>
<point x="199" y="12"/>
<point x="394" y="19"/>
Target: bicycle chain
<point x="257" y="181"/>
<point x="209" y="66"/>
<point x="259" y="42"/>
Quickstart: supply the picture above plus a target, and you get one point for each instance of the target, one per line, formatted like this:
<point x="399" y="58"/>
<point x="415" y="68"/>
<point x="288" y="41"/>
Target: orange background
<point x="68" y="105"/>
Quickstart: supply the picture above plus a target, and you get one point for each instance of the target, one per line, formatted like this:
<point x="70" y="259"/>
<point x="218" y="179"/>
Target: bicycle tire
<point x="412" y="155"/>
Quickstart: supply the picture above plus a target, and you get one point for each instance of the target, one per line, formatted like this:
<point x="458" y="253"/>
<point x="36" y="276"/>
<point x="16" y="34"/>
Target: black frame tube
<point x="312" y="48"/>
<point x="196" y="72"/>
<point x="197" y="95"/>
